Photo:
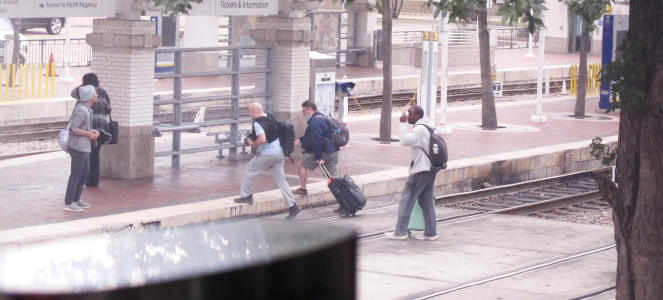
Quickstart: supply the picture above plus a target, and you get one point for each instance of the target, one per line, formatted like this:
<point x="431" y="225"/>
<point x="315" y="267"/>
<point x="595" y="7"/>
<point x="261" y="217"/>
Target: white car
<point x="7" y="33"/>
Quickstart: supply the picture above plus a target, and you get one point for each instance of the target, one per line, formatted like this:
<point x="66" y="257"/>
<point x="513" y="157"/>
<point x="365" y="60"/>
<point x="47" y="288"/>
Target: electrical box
<point x="325" y="92"/>
<point x="323" y="79"/>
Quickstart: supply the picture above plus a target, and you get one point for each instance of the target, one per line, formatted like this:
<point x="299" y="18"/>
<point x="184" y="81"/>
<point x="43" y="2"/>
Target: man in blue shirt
<point x="269" y="156"/>
<point x="317" y="146"/>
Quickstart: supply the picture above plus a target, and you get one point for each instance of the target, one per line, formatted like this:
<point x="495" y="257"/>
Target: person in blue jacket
<point x="317" y="146"/>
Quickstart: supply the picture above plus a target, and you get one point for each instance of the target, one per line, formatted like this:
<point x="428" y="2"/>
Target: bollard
<point x="33" y="81"/>
<point x="39" y="85"/>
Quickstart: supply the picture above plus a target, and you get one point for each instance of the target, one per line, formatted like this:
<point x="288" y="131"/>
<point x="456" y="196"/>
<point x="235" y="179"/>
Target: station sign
<point x="56" y="8"/>
<point x="235" y="8"/>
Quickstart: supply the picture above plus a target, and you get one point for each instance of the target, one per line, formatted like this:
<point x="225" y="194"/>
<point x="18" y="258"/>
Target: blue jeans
<point x="419" y="186"/>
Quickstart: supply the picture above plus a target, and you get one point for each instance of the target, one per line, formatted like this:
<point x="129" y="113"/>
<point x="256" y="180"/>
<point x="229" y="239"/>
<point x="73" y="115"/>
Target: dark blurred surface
<point x="239" y="260"/>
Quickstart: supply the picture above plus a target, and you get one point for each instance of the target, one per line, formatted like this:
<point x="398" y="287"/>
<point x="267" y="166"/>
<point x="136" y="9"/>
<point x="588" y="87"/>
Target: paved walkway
<point x="34" y="187"/>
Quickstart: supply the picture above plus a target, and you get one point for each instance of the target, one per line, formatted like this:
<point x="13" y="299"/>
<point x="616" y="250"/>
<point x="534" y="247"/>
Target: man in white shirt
<point x="269" y="156"/>
<point x="421" y="181"/>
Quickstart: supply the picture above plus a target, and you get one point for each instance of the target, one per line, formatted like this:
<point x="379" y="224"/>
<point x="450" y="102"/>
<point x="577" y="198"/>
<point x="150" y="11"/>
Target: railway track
<point x="402" y="98"/>
<point x="527" y="198"/>
<point x="47" y="130"/>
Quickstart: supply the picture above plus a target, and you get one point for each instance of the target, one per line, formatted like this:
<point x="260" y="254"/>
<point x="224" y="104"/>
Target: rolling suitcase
<point x="346" y="192"/>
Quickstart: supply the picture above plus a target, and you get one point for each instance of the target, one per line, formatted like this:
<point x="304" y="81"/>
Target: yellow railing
<point x="593" y="79"/>
<point x="28" y="81"/>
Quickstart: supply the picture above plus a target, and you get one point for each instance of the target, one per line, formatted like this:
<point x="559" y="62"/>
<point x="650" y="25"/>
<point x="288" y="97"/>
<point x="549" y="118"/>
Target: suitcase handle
<point x="325" y="172"/>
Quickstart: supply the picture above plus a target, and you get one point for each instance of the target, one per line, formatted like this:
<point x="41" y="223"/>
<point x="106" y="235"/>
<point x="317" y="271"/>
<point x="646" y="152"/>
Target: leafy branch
<point x="173" y="7"/>
<point x="601" y="151"/>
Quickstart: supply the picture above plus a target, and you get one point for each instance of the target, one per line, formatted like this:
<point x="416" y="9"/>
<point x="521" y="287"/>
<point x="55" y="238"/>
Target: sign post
<point x="539" y="117"/>
<point x="444" y="82"/>
<point x="427" y="98"/>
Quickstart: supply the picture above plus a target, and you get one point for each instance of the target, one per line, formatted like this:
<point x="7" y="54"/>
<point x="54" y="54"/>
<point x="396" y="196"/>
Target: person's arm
<point x="74" y="93"/>
<point x="108" y="102"/>
<point x="261" y="137"/>
<point x="318" y="136"/>
<point x="76" y="122"/>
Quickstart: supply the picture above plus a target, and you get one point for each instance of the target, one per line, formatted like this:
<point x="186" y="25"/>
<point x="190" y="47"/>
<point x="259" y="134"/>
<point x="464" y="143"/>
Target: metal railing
<point x="231" y="63"/>
<point x="39" y="51"/>
<point x="456" y="37"/>
<point x="514" y="38"/>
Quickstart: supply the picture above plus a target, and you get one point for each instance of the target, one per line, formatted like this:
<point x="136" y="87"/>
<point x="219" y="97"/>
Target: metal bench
<point x="224" y="142"/>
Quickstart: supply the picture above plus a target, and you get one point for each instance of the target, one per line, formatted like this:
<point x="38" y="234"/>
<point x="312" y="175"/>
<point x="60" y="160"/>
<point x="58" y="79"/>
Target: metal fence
<point x="514" y="38"/>
<point x="231" y="64"/>
<point x="456" y="37"/>
<point x="39" y="51"/>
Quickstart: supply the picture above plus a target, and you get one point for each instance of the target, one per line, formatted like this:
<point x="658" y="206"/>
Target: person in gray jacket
<point x="80" y="143"/>
<point x="420" y="182"/>
<point x="100" y="111"/>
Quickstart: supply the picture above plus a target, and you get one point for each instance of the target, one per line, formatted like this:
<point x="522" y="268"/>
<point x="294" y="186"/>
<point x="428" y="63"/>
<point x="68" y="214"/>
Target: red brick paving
<point x="33" y="193"/>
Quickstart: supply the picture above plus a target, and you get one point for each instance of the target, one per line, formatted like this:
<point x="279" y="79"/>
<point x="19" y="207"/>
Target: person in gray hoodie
<point x="80" y="143"/>
<point x="100" y="111"/>
<point x="420" y="182"/>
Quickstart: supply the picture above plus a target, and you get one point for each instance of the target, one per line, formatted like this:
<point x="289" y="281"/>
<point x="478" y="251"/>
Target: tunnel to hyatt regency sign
<point x="107" y="8"/>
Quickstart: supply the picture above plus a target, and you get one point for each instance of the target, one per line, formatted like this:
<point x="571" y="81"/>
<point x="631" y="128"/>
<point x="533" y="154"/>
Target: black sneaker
<point x="247" y="200"/>
<point x="294" y="210"/>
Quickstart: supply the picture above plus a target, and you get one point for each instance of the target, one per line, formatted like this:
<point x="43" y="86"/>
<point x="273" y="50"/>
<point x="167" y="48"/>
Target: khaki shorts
<point x="331" y="162"/>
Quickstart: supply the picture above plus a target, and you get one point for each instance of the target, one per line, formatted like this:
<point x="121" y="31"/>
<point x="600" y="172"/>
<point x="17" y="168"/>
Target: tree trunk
<point x="637" y="202"/>
<point x="397" y="6"/>
<point x="488" y="113"/>
<point x="385" y="116"/>
<point x="582" y="75"/>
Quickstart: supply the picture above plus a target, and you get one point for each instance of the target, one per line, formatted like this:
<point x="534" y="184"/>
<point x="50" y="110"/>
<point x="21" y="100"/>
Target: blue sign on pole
<point x="607" y="55"/>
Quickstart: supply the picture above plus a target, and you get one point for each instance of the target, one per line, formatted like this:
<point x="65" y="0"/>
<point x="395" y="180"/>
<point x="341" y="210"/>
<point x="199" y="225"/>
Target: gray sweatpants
<point x="80" y="168"/>
<point x="419" y="186"/>
<point x="273" y="163"/>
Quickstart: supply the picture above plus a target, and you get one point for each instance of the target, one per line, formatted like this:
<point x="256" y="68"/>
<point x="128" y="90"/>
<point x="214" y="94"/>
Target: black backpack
<point x="437" y="150"/>
<point x="340" y="134"/>
<point x="287" y="138"/>
<point x="285" y="133"/>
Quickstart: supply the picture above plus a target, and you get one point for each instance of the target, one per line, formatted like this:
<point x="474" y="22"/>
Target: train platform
<point x="203" y="188"/>
<point x="512" y="65"/>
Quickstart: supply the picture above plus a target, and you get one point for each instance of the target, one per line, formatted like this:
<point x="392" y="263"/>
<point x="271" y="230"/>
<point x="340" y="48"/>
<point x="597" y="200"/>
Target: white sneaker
<point x="72" y="207"/>
<point x="392" y="236"/>
<point x="82" y="204"/>
<point x="423" y="237"/>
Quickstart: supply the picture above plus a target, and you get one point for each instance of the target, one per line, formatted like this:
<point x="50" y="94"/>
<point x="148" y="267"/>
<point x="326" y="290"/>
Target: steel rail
<point x="512" y="272"/>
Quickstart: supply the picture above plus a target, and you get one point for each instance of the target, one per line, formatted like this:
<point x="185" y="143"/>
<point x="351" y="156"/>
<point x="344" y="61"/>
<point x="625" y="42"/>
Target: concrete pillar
<point x="200" y="31"/>
<point x="366" y="24"/>
<point x="290" y="63"/>
<point x="123" y="59"/>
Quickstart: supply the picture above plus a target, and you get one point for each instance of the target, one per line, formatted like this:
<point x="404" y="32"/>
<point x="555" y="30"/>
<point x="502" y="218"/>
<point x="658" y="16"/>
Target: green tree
<point x="589" y="11"/>
<point x="528" y="11"/>
<point x="637" y="77"/>
<point x="173" y="7"/>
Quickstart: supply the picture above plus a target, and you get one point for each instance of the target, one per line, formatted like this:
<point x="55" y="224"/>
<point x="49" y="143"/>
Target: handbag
<point x="63" y="138"/>
<point x="112" y="129"/>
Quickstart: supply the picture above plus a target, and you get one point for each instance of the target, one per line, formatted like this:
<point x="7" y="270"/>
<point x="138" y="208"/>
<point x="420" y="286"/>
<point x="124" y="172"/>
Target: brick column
<point x="290" y="63"/>
<point x="123" y="59"/>
<point x="366" y="24"/>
